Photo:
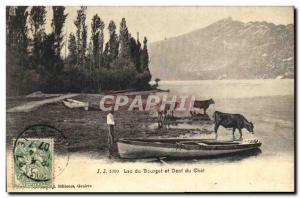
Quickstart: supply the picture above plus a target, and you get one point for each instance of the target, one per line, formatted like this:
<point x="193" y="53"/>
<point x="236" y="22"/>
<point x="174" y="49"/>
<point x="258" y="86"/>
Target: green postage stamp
<point x="33" y="163"/>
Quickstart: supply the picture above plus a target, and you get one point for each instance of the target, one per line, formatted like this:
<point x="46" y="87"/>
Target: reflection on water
<point x="185" y="125"/>
<point x="204" y="131"/>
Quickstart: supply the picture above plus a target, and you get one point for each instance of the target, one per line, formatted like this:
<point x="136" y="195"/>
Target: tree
<point x="10" y="13"/>
<point x="124" y="40"/>
<point x="90" y="56"/>
<point x="40" y="66"/>
<point x="57" y="24"/>
<point x="144" y="56"/>
<point x="52" y="73"/>
<point x="135" y="52"/>
<point x="16" y="49"/>
<point x="17" y="31"/>
<point x="37" y="22"/>
<point x="112" y="46"/>
<point x="113" y="40"/>
<point x="72" y="47"/>
<point x="52" y="46"/>
<point x="81" y="34"/>
<point x="144" y="77"/>
<point x="47" y="47"/>
<point x="97" y="38"/>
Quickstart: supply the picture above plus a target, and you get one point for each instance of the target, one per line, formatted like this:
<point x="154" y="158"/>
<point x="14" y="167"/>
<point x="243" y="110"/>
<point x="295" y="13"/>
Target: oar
<point x="160" y="159"/>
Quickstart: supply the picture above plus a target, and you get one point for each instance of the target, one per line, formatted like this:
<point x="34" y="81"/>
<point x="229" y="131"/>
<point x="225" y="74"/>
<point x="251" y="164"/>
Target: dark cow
<point x="166" y="113"/>
<point x="234" y="121"/>
<point x="202" y="104"/>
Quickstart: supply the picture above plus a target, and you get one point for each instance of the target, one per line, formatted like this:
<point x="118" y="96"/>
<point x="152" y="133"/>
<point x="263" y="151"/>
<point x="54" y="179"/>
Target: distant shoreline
<point x="224" y="80"/>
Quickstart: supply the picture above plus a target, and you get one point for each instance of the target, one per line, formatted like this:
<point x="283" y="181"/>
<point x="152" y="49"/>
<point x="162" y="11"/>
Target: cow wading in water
<point x="166" y="114"/>
<point x="234" y="121"/>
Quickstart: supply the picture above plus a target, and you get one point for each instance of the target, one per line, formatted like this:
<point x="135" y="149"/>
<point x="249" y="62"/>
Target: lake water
<point x="205" y="89"/>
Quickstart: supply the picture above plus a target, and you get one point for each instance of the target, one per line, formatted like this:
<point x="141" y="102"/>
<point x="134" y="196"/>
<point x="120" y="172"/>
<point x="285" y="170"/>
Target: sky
<point x="159" y="23"/>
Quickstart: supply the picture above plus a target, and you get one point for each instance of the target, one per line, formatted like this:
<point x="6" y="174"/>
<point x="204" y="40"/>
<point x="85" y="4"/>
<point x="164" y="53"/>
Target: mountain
<point x="226" y="49"/>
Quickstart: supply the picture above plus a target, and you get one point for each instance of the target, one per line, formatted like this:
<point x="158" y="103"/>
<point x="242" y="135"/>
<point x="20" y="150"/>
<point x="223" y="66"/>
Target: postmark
<point x="40" y="154"/>
<point x="33" y="163"/>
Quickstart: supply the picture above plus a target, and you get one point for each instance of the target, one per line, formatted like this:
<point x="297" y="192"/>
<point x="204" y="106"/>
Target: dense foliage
<point x="35" y="61"/>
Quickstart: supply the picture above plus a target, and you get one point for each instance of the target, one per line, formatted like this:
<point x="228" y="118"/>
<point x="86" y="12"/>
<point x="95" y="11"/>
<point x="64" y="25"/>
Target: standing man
<point x="111" y="124"/>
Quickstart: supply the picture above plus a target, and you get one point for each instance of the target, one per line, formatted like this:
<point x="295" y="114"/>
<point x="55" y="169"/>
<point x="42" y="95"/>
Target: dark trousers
<point x="111" y="138"/>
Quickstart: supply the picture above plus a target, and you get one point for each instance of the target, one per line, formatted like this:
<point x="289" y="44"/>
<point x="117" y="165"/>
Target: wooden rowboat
<point x="70" y="103"/>
<point x="181" y="148"/>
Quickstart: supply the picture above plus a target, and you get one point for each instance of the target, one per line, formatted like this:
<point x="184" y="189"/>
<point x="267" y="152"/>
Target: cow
<point x="168" y="108"/>
<point x="202" y="104"/>
<point x="234" y="121"/>
<point x="166" y="113"/>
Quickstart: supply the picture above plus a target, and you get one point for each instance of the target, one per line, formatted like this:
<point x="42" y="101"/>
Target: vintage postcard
<point x="150" y="99"/>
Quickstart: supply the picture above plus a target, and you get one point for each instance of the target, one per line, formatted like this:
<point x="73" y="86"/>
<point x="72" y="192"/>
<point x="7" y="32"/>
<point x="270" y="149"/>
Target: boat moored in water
<point x="182" y="148"/>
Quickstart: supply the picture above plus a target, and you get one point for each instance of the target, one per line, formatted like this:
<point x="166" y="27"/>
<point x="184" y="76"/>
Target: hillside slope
<point x="226" y="49"/>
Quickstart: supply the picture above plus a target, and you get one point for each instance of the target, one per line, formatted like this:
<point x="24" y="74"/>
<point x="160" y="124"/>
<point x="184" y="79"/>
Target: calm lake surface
<point x="205" y="89"/>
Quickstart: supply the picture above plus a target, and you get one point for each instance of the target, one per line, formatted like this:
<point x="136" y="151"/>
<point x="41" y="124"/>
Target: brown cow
<point x="202" y="104"/>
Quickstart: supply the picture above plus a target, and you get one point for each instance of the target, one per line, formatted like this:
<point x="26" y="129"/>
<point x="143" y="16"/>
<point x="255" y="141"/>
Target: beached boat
<point x="181" y="148"/>
<point x="70" y="103"/>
